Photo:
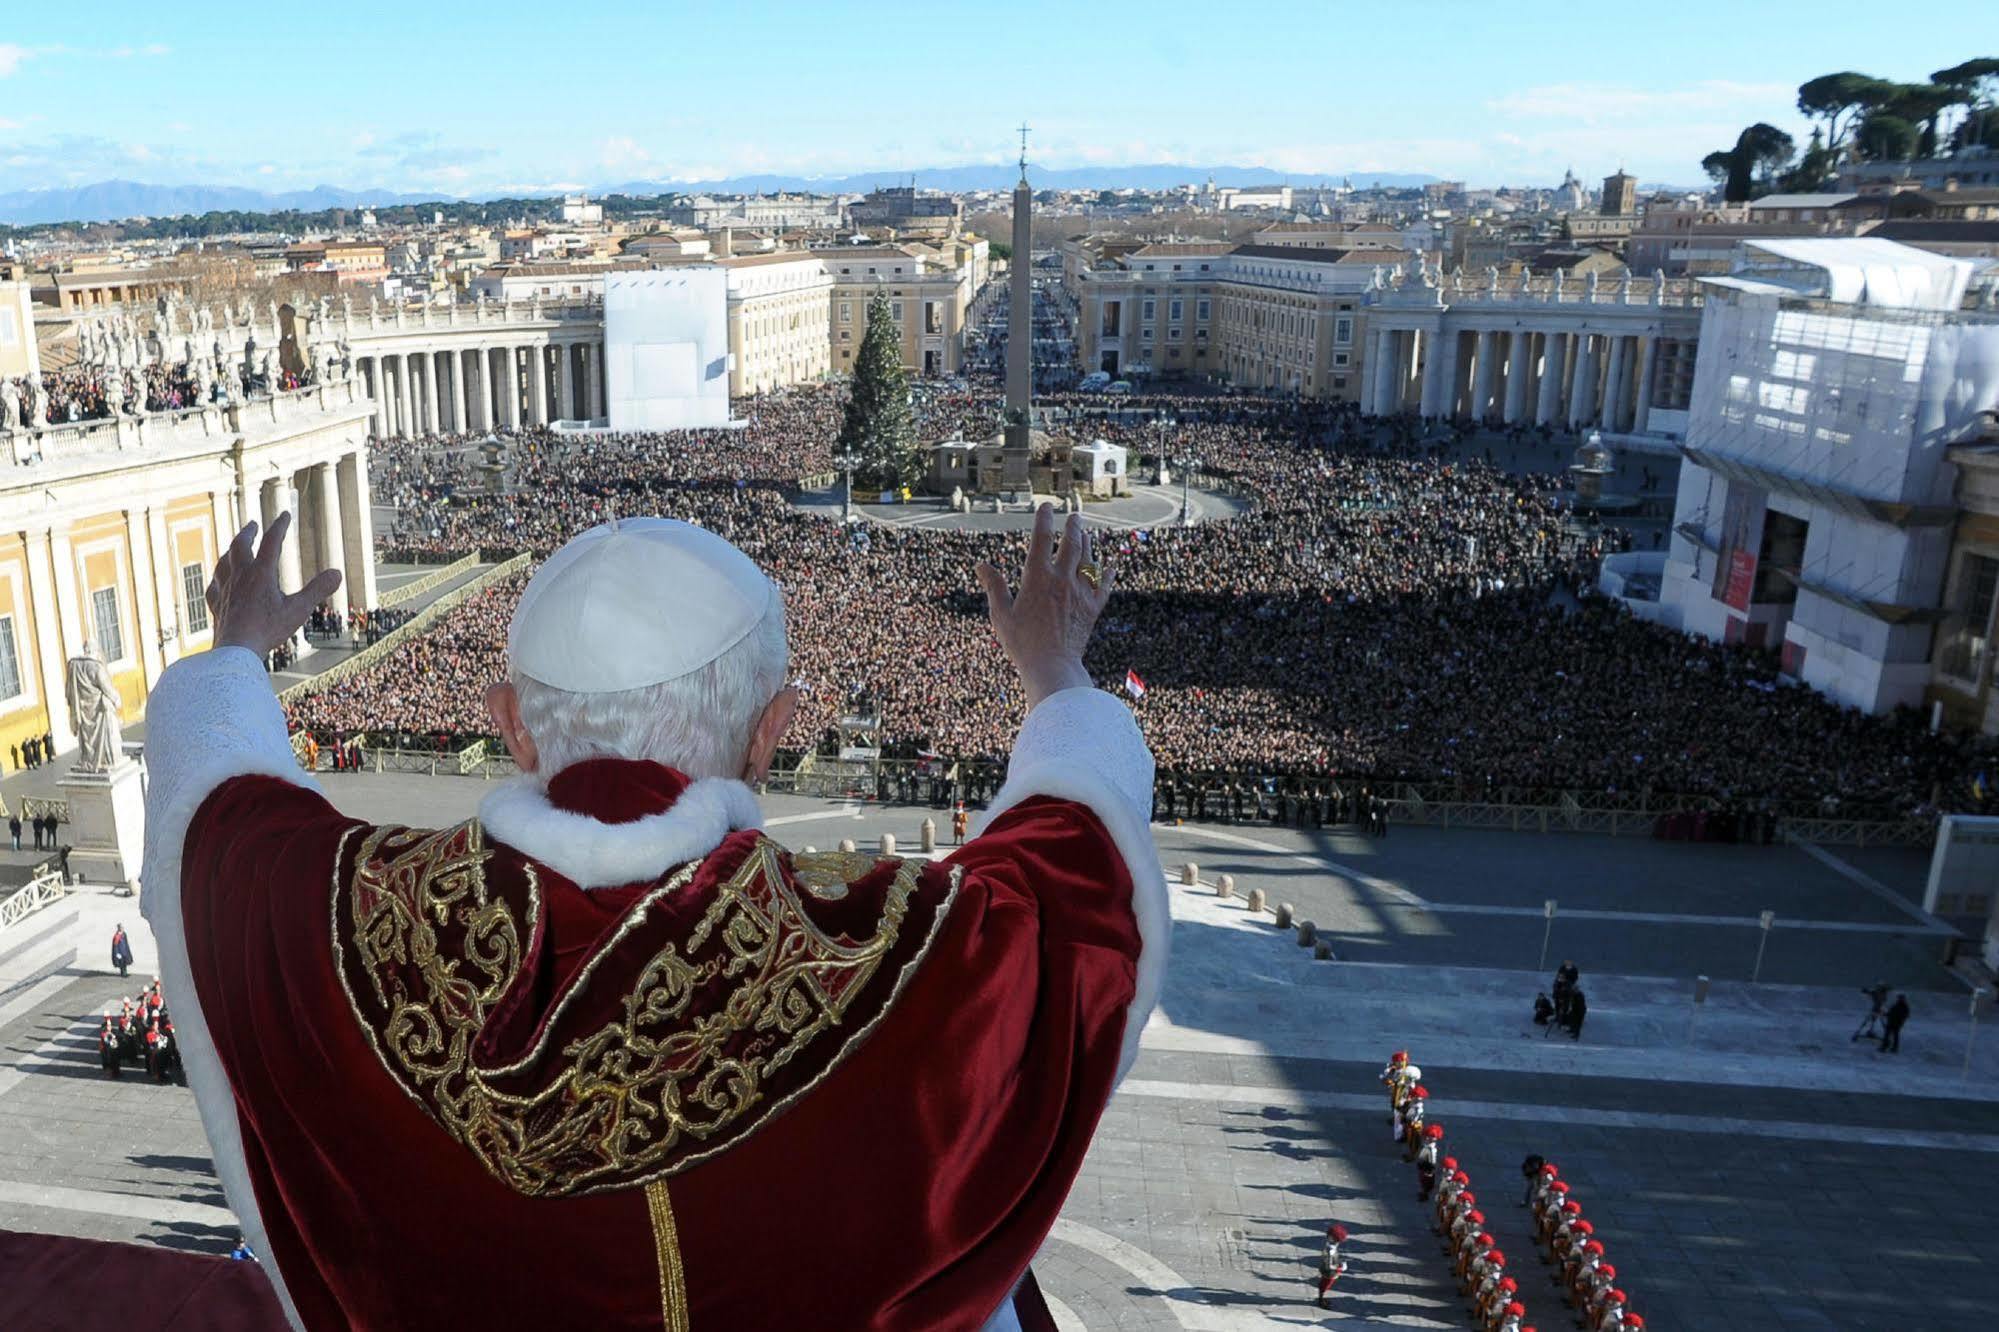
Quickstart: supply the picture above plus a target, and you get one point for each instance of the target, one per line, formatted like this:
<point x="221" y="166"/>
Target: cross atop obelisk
<point x="1023" y="150"/>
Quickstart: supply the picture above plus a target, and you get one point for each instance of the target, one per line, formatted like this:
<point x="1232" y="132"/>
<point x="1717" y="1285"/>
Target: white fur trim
<point x="1083" y="745"/>
<point x="592" y="854"/>
<point x="211" y="717"/>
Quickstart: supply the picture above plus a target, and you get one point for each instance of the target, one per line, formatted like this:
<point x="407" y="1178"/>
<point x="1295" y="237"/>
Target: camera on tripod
<point x="1871" y="1025"/>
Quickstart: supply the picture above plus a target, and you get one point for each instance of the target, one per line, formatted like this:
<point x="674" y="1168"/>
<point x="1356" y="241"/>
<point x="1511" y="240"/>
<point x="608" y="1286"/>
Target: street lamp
<point x="846" y="463"/>
<point x="1165" y="420"/>
<point x="1186" y="464"/>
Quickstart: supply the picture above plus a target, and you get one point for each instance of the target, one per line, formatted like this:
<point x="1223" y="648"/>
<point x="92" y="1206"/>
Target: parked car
<point x="1094" y="382"/>
<point x="1119" y="386"/>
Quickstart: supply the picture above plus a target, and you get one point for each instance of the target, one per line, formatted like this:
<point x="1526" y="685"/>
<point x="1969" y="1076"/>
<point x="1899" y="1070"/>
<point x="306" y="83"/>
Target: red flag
<point x="1132" y="684"/>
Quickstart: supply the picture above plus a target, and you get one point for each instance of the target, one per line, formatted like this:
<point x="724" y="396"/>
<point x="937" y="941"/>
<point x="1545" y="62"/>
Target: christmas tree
<point x="879" y="430"/>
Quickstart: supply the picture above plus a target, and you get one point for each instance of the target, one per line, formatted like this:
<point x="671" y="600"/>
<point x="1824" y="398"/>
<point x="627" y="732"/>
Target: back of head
<point x="647" y="639"/>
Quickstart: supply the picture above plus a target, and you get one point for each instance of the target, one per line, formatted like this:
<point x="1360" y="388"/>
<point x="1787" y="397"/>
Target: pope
<point x="601" y="1056"/>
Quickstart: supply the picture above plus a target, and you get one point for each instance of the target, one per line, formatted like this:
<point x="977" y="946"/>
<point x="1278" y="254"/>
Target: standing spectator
<point x="1891" y="1036"/>
<point x="14" y="756"/>
<point x="1578" y="1010"/>
<point x="14" y="829"/>
<point x="121" y="950"/>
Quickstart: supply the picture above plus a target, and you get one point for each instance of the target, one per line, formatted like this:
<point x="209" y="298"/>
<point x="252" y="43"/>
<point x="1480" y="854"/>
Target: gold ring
<point x="1090" y="574"/>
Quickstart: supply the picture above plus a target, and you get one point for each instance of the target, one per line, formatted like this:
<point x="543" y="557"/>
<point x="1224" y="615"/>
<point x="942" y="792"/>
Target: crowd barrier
<point x="415" y="588"/>
<point x="402" y="633"/>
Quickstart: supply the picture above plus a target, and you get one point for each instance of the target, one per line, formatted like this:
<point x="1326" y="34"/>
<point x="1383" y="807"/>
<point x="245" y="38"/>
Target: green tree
<point x="879" y="429"/>
<point x="1884" y="136"/>
<point x="1978" y="82"/>
<point x="1848" y="94"/>
<point x="1751" y="167"/>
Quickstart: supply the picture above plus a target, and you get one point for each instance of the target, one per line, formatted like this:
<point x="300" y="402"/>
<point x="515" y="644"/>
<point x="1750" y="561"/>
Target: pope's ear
<point x="503" y="705"/>
<point x="768" y="731"/>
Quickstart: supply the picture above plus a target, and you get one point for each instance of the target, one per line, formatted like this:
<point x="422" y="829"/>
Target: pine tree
<point x="879" y="429"/>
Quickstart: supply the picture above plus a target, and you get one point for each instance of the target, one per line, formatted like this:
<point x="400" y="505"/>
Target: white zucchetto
<point x="635" y="602"/>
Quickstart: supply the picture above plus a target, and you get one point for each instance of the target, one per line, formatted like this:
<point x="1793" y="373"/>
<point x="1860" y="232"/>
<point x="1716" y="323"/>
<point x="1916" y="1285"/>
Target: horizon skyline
<point x="408" y="127"/>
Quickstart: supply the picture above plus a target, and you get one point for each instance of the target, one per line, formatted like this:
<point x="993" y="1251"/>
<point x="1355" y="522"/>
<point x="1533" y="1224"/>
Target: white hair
<point x="699" y="723"/>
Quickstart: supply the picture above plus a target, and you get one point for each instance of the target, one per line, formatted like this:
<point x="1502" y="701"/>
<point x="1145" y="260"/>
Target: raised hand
<point x="246" y="604"/>
<point x="1046" y="625"/>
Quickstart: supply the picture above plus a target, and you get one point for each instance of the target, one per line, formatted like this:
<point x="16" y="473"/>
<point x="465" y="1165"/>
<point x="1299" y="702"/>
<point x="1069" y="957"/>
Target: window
<point x="1339" y="358"/>
<point x="194" y="591"/>
<point x="1173" y="311"/>
<point x="1149" y="309"/>
<point x="1965" y="644"/>
<point x="10" y="663"/>
<point x="846" y="312"/>
<point x="895" y="311"/>
<point x="846" y="335"/>
<point x="104" y="620"/>
<point x="1201" y="311"/>
<point x="1173" y="333"/>
<point x="1343" y="330"/>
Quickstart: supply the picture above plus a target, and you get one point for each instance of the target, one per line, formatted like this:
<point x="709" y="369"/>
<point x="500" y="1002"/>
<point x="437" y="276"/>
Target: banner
<point x="1741" y="538"/>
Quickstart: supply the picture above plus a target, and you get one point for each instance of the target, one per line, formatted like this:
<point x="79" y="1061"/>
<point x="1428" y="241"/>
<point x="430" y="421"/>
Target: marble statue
<point x="1658" y="286"/>
<point x="1589" y="286"/>
<point x="93" y="710"/>
<point x="1492" y="279"/>
<point x="38" y="403"/>
<point x="347" y="306"/>
<point x="1376" y="283"/>
<point x="1556" y="289"/>
<point x="111" y="381"/>
<point x="204" y="381"/>
<point x="264" y="369"/>
<point x="10" y="405"/>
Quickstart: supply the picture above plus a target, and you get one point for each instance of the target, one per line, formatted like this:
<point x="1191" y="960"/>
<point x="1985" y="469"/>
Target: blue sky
<point x="463" y="99"/>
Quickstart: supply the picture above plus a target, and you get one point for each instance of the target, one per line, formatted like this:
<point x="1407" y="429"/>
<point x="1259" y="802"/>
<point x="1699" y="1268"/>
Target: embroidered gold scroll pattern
<point x="635" y="1099"/>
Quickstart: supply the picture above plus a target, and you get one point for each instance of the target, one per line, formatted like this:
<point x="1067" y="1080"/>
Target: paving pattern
<point x="1746" y="1163"/>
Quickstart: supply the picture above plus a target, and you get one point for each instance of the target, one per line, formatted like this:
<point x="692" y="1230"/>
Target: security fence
<point x="416" y="587"/>
<point x="402" y="633"/>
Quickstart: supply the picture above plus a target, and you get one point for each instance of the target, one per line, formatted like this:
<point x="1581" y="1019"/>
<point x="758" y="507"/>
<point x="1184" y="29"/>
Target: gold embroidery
<point x="666" y="1243"/>
<point x="707" y="1027"/>
<point x="826" y="874"/>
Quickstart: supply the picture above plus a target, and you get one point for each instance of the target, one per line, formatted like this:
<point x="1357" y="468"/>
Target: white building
<point x="1815" y="510"/>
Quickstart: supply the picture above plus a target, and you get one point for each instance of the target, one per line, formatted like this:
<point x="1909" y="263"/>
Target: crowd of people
<point x="1390" y="608"/>
<point x="1564" y="1240"/>
<point x="140" y="1032"/>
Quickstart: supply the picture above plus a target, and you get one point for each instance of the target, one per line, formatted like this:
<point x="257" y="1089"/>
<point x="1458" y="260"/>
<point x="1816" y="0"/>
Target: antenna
<point x="1023" y="151"/>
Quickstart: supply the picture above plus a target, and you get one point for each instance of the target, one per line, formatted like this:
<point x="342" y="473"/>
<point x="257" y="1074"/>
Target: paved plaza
<point x="1746" y="1163"/>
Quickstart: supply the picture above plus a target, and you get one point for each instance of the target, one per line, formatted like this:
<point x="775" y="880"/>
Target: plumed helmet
<point x="1633" y="1320"/>
<point x="1497" y="1257"/>
<point x="1573" y="1208"/>
<point x="1616" y="1297"/>
<point x="1515" y="1309"/>
<point x="1508" y="1284"/>
<point x="1482" y="1240"/>
<point x="1399" y="1057"/>
<point x="1585" y="1228"/>
<point x="1450" y="1165"/>
<point x="1458" y="1177"/>
<point x="1421" y="1093"/>
<point x="1560" y="1186"/>
<point x="1608" y="1271"/>
<point x="1548" y="1169"/>
<point x="1475" y="1216"/>
<point x="1434" y="1131"/>
<point x="1339" y="1231"/>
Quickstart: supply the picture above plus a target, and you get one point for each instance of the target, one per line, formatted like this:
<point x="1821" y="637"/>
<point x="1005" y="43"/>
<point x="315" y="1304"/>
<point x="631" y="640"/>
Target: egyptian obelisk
<point x="1020" y="336"/>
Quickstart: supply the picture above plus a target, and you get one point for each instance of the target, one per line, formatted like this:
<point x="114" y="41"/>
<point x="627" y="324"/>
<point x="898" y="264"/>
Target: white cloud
<point x="623" y="153"/>
<point x="11" y="57"/>
<point x="1604" y="103"/>
<point x="267" y="170"/>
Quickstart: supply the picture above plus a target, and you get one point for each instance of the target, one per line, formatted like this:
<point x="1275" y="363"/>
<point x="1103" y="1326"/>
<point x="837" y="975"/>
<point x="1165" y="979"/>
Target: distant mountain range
<point x="110" y="200"/>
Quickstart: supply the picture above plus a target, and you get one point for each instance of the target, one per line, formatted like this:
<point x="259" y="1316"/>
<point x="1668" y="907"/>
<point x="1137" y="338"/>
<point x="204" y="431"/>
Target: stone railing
<point x="44" y="889"/>
<point x="160" y="431"/>
<point x="402" y="633"/>
<point x="1402" y="290"/>
<point x="464" y="314"/>
<point x="417" y="587"/>
<point x="33" y="807"/>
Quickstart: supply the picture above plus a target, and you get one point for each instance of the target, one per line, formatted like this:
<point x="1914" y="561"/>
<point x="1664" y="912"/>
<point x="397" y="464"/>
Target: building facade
<point x="1817" y="505"/>
<point x="110" y="529"/>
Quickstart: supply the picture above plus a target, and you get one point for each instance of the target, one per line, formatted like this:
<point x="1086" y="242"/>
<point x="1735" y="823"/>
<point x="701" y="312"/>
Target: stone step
<point x="21" y="939"/>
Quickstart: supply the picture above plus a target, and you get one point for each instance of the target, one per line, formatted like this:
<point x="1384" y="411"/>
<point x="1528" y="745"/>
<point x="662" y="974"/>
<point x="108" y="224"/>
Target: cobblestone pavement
<point x="1747" y="1165"/>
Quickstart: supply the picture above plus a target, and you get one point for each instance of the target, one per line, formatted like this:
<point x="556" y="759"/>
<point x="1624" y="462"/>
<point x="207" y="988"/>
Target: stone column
<point x="1446" y="359"/>
<point x="166" y="584"/>
<point x="1648" y="351"/>
<point x="144" y="584"/>
<point x="1548" y="405"/>
<point x="52" y="582"/>
<point x="565" y="398"/>
<point x="331" y="545"/>
<point x="537" y="384"/>
<point x="1519" y="365"/>
<point x="510" y="387"/>
<point x="357" y="537"/>
<point x="478" y="402"/>
<point x="405" y="416"/>
<point x="371" y="375"/>
<point x="1582" y="383"/>
<point x="454" y="366"/>
<point x="1432" y="392"/>
<point x="1481" y="383"/>
<point x="1613" y="384"/>
<point x="593" y="379"/>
